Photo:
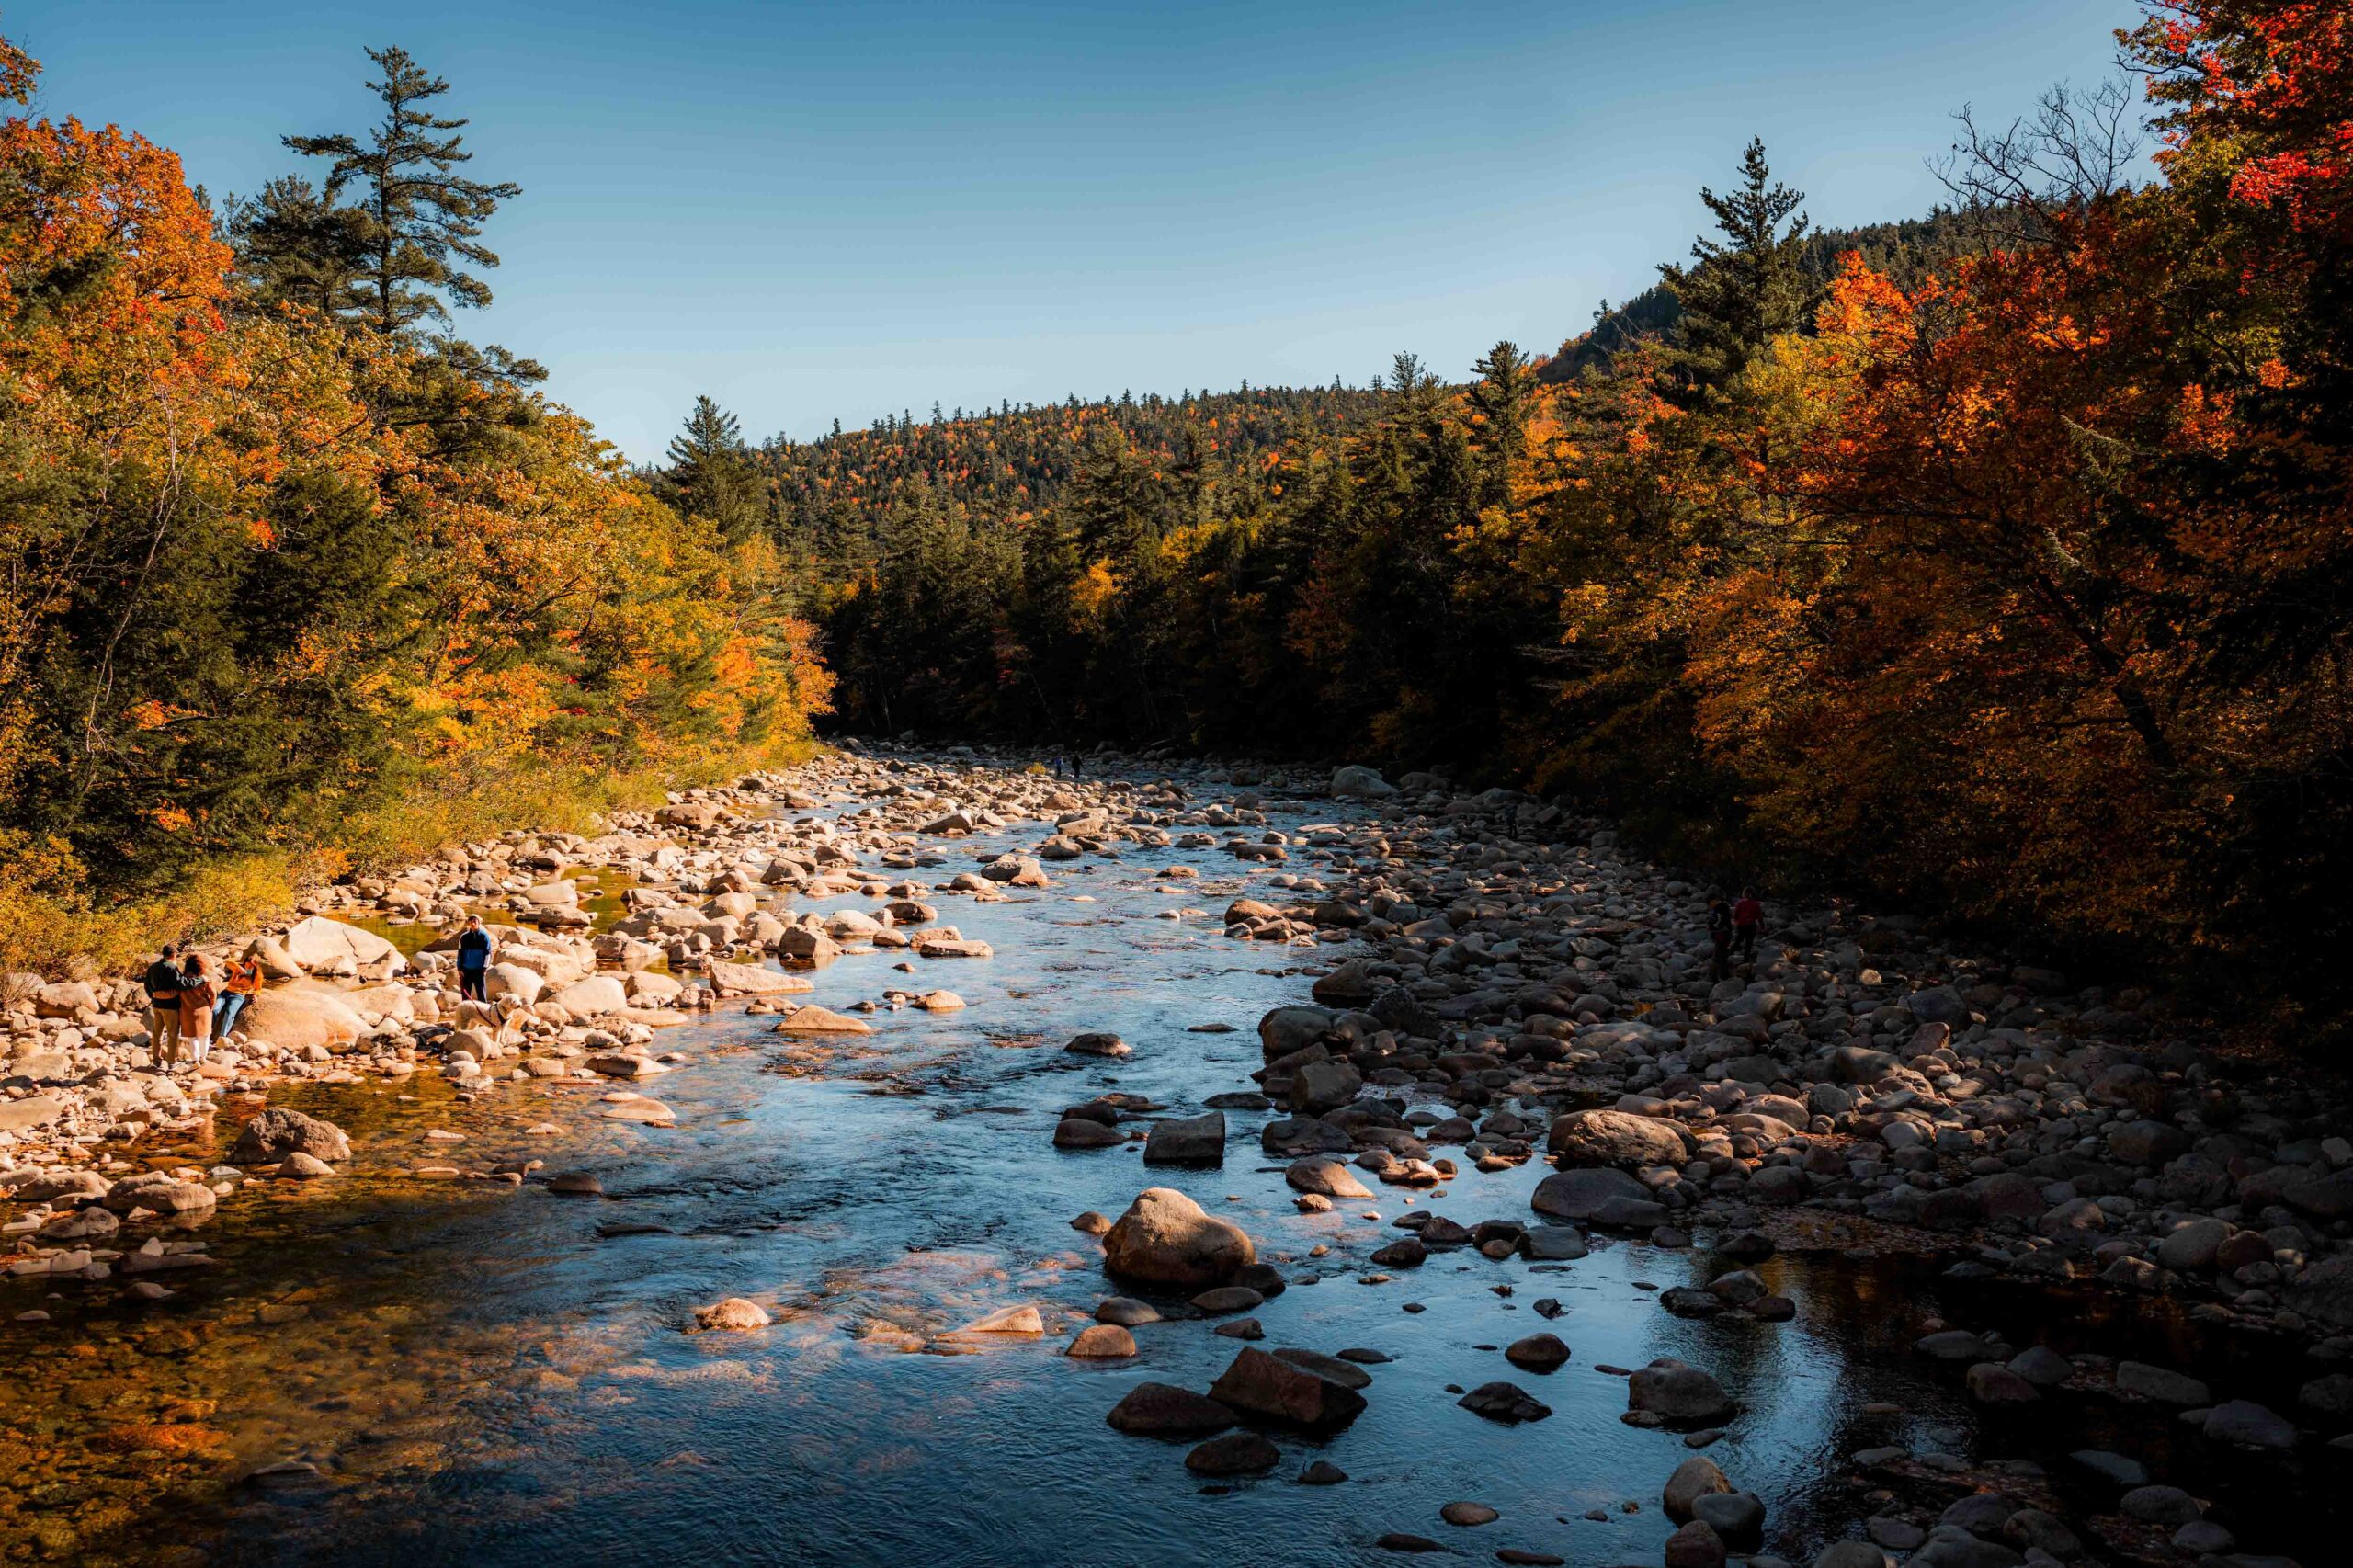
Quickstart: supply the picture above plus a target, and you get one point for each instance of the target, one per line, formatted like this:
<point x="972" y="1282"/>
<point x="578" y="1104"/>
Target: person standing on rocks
<point x="474" y="960"/>
<point x="1720" y="936"/>
<point x="1747" y="920"/>
<point x="163" y="983"/>
<point x="238" y="988"/>
<point x="196" y="1007"/>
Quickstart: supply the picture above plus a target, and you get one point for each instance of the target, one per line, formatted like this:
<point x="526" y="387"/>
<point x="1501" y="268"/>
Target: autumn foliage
<point x="271" y="586"/>
<point x="2013" y="580"/>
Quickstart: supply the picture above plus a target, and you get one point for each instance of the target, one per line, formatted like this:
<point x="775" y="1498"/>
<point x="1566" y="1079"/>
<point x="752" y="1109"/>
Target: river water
<point x="467" y="1373"/>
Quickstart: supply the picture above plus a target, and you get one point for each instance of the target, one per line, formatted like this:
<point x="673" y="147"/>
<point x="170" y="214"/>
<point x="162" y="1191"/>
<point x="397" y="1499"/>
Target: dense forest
<point x="1998" y="561"/>
<point x="296" y="578"/>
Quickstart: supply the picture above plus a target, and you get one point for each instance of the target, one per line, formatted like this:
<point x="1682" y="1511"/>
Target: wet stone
<point x="1236" y="1453"/>
<point x="1504" y="1403"/>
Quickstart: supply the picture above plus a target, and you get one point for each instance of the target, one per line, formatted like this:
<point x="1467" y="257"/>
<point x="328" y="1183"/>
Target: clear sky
<point x="822" y="211"/>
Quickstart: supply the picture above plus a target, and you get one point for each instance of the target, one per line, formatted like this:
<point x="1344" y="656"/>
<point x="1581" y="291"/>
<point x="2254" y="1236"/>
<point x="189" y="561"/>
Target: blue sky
<point x="815" y="212"/>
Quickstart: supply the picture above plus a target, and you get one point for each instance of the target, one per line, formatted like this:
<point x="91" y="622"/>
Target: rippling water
<point x="485" y="1376"/>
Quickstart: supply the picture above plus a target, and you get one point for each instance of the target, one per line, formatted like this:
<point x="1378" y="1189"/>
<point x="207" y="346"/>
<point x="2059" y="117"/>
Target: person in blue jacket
<point x="473" y="959"/>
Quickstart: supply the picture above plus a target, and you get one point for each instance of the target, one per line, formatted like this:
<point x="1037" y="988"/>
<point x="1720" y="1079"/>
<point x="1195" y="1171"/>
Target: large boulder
<point x="1287" y="1029"/>
<point x="556" y="967"/>
<point x="1278" y="1390"/>
<point x="279" y="1131"/>
<point x="597" y="993"/>
<point x="66" y="999"/>
<point x="1677" y="1393"/>
<point x="1940" y="1004"/>
<point x="1163" y="1409"/>
<point x="1188" y="1141"/>
<point x="35" y="1110"/>
<point x="1580" y="1194"/>
<point x="1328" y="1177"/>
<point x="2324" y="1291"/>
<point x="392" y="1001"/>
<point x="1359" y="782"/>
<point x="2248" y="1424"/>
<point x="1324" y="1085"/>
<point x="1350" y="986"/>
<point x="1166" y="1239"/>
<point x="159" y="1192"/>
<point x="1617" y="1138"/>
<point x="519" y="980"/>
<point x="753" y="980"/>
<point x="1695" y="1478"/>
<point x="329" y="946"/>
<point x="300" y="1016"/>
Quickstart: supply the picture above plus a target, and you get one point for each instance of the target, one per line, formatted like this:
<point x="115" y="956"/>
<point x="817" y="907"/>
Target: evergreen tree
<point x="1744" y="289"/>
<point x="297" y="247"/>
<point x="712" y="473"/>
<point x="1500" y="399"/>
<point x="419" y="221"/>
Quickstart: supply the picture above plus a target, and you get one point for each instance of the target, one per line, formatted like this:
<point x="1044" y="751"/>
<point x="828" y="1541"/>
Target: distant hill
<point x="1907" y="251"/>
<point x="1013" y="461"/>
<point x="841" y="492"/>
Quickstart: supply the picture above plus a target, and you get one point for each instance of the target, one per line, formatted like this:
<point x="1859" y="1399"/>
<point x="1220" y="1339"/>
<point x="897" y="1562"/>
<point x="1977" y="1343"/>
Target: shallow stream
<point x="471" y="1373"/>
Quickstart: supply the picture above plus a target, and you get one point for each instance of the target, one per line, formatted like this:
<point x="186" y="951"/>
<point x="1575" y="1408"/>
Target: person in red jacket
<point x="1747" y="920"/>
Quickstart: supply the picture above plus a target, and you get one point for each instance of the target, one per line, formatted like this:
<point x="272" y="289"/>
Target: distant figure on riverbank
<point x="1747" y="920"/>
<point x="1720" y="936"/>
<point x="1074" y="769"/>
<point x="1058" y="765"/>
<point x="238" y="989"/>
<point x="196" y="1007"/>
<point x="474" y="960"/>
<point x="163" y="983"/>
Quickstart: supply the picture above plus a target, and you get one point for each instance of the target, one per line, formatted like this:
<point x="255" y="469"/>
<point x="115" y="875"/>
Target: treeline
<point x="295" y="577"/>
<point x="1907" y="251"/>
<point x="842" y="499"/>
<point x="2006" y="569"/>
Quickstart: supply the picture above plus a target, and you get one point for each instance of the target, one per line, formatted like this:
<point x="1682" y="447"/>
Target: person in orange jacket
<point x="242" y="985"/>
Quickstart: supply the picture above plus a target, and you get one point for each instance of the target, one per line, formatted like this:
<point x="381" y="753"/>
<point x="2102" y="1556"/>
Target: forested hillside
<point x="297" y="579"/>
<point x="841" y="491"/>
<point x="1999" y="561"/>
<point x="1907" y="252"/>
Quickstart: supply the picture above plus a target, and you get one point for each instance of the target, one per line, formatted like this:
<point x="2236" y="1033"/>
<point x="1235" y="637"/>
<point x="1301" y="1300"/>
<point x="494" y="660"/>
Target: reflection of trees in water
<point x="1802" y="1384"/>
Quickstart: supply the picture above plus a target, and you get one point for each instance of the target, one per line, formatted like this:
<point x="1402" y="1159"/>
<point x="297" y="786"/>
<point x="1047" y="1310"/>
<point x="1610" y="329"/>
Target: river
<point x="411" y="1372"/>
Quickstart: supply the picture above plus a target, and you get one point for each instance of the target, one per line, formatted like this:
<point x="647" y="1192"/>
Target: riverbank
<point x="1500" y="987"/>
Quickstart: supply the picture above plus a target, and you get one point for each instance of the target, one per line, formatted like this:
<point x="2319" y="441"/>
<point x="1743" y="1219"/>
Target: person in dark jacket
<point x="163" y="983"/>
<point x="1720" y="936"/>
<point x="474" y="960"/>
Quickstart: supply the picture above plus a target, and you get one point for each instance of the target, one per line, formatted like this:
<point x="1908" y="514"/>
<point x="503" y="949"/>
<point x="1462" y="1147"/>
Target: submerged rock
<point x="1163" y="1409"/>
<point x="279" y="1131"/>
<point x="735" y="1314"/>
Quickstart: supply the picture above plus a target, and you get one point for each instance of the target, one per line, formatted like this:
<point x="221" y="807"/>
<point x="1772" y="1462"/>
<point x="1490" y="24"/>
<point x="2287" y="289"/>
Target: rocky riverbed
<point x="1182" y="1163"/>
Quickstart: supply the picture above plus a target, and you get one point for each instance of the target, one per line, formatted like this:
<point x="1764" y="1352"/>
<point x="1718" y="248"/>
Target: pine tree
<point x="1500" y="399"/>
<point x="1744" y="289"/>
<point x="296" y="247"/>
<point x="712" y="474"/>
<point x="419" y="221"/>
